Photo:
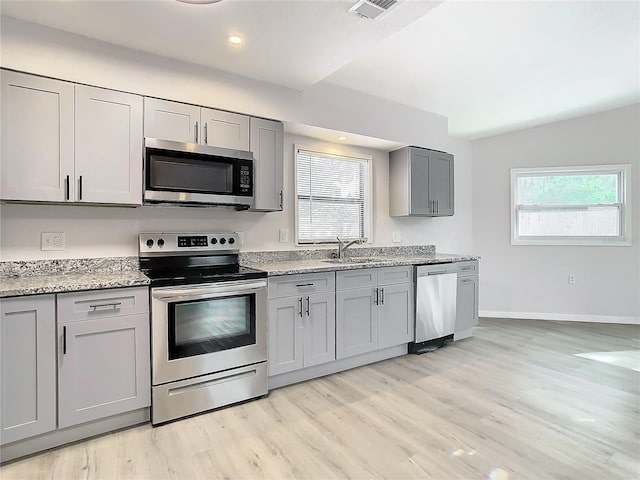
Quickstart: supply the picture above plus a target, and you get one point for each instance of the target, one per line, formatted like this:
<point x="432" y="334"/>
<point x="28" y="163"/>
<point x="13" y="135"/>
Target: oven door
<point x="202" y="329"/>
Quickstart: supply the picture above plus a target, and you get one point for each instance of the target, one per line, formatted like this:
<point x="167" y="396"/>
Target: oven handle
<point x="208" y="290"/>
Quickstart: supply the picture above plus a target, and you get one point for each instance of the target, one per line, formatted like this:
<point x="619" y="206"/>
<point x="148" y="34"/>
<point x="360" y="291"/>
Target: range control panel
<point x="168" y="243"/>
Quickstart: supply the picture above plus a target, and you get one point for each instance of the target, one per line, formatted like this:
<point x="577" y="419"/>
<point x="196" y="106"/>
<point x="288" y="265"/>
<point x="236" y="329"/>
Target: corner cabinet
<point x="421" y="182"/>
<point x="28" y="367"/>
<point x="69" y="143"/>
<point x="301" y="321"/>
<point x="103" y="354"/>
<point x="267" y="137"/>
<point x="37" y="138"/>
<point x="374" y="309"/>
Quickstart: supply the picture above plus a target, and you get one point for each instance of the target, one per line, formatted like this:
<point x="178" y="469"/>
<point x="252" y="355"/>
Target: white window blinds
<point x="332" y="197"/>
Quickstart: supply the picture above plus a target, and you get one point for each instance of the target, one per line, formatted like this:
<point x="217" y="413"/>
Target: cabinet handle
<point x="377" y="299"/>
<point x="300" y="307"/>
<point x="80" y="188"/>
<point x="281" y="207"/>
<point x="382" y="296"/>
<point x="67" y="185"/>
<point x="101" y="306"/>
<point x="64" y="340"/>
<point x="304" y="284"/>
<point x="437" y="206"/>
<point x="467" y="280"/>
<point x="308" y="306"/>
<point x="195" y="133"/>
<point x="206" y="137"/>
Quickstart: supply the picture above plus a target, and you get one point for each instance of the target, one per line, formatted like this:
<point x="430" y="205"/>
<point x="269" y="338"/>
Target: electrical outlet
<point x="396" y="237"/>
<point x="52" y="241"/>
<point x="240" y="238"/>
<point x="572" y="279"/>
<point x="284" y="235"/>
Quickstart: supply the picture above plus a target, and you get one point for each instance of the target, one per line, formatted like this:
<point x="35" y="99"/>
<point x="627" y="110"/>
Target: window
<point x="332" y="197"/>
<point x="571" y="206"/>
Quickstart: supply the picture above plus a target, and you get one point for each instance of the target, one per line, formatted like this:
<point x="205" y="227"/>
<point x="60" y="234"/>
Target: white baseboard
<point x="563" y="317"/>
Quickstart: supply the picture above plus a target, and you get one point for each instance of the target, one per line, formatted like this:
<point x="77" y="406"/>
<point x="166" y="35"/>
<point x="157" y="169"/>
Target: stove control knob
<point x="161" y="242"/>
<point x="223" y="241"/>
<point x="214" y="241"/>
<point x="150" y="243"/>
<point x="232" y="241"/>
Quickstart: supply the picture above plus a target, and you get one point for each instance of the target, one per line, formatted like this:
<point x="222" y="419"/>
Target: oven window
<point x="211" y="325"/>
<point x="190" y="175"/>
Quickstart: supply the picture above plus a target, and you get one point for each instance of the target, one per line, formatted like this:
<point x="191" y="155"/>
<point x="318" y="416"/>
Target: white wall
<point x="532" y="281"/>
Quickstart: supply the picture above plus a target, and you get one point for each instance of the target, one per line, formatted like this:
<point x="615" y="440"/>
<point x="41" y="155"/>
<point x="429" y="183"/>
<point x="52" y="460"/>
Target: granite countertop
<point x="58" y="276"/>
<point x="286" y="267"/>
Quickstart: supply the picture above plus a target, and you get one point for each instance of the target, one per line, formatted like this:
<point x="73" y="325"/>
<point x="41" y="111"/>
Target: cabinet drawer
<point x="393" y="275"/>
<point x="290" y="285"/>
<point x="436" y="268"/>
<point x="350" y="279"/>
<point x="115" y="302"/>
<point x="465" y="269"/>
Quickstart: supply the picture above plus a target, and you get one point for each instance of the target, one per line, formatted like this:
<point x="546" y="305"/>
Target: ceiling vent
<point x="372" y="8"/>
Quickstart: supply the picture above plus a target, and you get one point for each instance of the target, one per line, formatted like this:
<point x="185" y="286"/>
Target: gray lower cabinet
<point x="374" y="309"/>
<point x="302" y="321"/>
<point x="28" y="368"/>
<point x="467" y="303"/>
<point x="103" y="354"/>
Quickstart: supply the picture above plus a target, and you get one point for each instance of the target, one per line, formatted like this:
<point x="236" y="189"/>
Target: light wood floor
<point x="512" y="398"/>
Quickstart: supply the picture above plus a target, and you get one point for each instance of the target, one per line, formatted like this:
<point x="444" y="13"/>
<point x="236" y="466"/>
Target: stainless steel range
<point x="208" y="323"/>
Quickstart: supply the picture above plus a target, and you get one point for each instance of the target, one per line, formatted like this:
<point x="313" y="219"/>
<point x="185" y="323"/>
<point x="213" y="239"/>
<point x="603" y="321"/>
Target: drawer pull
<point x="304" y="284"/>
<point x="466" y="268"/>
<point x="105" y="306"/>
<point x="467" y="280"/>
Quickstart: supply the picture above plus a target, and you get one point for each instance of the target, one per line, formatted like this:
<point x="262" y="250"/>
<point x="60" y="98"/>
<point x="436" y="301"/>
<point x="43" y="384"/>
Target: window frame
<point x="624" y="195"/>
<point x="368" y="200"/>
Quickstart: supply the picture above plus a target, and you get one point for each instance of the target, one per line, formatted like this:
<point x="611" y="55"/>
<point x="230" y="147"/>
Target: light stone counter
<point x="286" y="263"/>
<point x="57" y="276"/>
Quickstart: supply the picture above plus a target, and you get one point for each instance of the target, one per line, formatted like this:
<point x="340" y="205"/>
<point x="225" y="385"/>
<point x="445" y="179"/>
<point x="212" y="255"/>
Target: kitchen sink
<point x="356" y="260"/>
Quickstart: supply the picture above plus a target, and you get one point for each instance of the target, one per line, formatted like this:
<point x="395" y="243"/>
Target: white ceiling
<point x="490" y="67"/>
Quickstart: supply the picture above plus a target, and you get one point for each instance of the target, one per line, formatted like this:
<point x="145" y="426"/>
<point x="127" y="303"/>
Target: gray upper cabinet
<point x="37" y="138"/>
<point x="224" y="129"/>
<point x="267" y="137"/>
<point x="421" y="182"/>
<point x="181" y="122"/>
<point x="173" y="121"/>
<point x="108" y="146"/>
<point x="69" y="143"/>
<point x="28" y="367"/>
<point x="103" y="354"/>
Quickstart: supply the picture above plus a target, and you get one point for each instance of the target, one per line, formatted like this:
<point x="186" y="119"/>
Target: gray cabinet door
<point x="441" y="183"/>
<point x="356" y="322"/>
<point x="173" y="121"/>
<point x="396" y="315"/>
<point x="28" y="367"/>
<point x="224" y="129"/>
<point x="467" y="303"/>
<point x="266" y="138"/>
<point x="103" y="368"/>
<point x="286" y="342"/>
<point x="419" y="182"/>
<point x="319" y="329"/>
<point x="37" y="138"/>
<point x="108" y="146"/>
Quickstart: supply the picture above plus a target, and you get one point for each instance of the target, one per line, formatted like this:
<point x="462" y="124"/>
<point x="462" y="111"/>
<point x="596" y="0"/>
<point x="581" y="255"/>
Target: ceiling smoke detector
<point x="372" y="8"/>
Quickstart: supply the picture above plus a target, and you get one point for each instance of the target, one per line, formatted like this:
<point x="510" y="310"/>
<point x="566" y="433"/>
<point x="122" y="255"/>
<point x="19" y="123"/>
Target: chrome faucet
<point x="342" y="246"/>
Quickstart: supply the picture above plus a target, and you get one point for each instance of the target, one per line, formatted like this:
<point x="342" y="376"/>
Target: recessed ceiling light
<point x="234" y="39"/>
<point x="342" y="137"/>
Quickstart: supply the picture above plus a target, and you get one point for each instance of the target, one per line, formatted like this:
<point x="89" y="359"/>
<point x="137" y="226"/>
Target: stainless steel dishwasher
<point x="436" y="290"/>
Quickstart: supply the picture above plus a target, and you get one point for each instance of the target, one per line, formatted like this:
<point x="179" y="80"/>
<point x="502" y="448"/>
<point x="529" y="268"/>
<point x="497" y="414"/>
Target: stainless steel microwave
<point x="190" y="174"/>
